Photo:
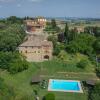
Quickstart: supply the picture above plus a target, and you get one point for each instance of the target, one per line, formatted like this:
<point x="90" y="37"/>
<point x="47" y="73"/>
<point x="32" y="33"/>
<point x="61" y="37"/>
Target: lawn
<point x="21" y="83"/>
<point x="50" y="69"/>
<point x="68" y="64"/>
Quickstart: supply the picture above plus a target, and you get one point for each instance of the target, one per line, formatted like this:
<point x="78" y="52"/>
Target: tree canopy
<point x="93" y="30"/>
<point x="97" y="45"/>
<point x="95" y="93"/>
<point x="15" y="64"/>
<point x="52" y="26"/>
<point x="83" y="44"/>
<point x="11" y="37"/>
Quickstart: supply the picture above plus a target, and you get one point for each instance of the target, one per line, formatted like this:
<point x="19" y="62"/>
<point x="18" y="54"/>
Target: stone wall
<point x="37" y="54"/>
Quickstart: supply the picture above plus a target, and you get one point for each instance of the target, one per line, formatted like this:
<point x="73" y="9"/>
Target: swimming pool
<point x="65" y="86"/>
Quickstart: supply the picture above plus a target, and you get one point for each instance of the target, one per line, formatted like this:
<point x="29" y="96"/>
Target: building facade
<point x="36" y="49"/>
<point x="36" y="24"/>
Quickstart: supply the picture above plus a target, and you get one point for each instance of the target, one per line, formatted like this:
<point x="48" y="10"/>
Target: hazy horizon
<point x="50" y="8"/>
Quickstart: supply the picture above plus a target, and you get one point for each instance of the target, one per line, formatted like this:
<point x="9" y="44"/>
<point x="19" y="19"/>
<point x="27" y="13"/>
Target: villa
<point x="36" y="24"/>
<point x="36" y="48"/>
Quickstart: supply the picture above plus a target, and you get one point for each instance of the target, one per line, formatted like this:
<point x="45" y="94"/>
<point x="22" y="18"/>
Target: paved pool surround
<point x="65" y="86"/>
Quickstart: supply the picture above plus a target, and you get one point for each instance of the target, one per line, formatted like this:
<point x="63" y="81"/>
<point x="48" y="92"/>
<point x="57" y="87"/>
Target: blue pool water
<point x="63" y="85"/>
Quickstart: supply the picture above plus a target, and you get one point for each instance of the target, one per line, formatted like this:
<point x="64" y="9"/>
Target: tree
<point x="66" y="33"/>
<point x="53" y="23"/>
<point x="73" y="34"/>
<point x="83" y="44"/>
<point x="15" y="64"/>
<point x="82" y="64"/>
<point x="62" y="55"/>
<point x="97" y="46"/>
<point x="93" y="31"/>
<point x="2" y="26"/>
<point x="52" y="27"/>
<point x="58" y="47"/>
<point x="95" y="93"/>
<point x="98" y="70"/>
<point x="89" y="30"/>
<point x="96" y="31"/>
<point x="49" y="96"/>
<point x="61" y="37"/>
<point x="4" y="59"/>
<point x="53" y="39"/>
<point x="11" y="37"/>
<point x="14" y="19"/>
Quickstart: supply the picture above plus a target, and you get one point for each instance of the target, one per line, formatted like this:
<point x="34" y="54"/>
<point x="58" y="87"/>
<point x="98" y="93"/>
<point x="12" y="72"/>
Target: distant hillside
<point x="73" y="18"/>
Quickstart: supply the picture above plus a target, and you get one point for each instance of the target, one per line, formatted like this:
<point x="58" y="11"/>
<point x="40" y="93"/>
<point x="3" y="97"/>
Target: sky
<point x="50" y="8"/>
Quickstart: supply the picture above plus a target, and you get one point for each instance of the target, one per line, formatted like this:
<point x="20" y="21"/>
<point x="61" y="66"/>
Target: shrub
<point x="11" y="37"/>
<point x="57" y="49"/>
<point x="62" y="55"/>
<point x="95" y="93"/>
<point x="98" y="71"/>
<point x="82" y="64"/>
<point x="13" y="62"/>
<point x="83" y="44"/>
<point x="6" y="92"/>
<point x="49" y="96"/>
<point x="17" y="66"/>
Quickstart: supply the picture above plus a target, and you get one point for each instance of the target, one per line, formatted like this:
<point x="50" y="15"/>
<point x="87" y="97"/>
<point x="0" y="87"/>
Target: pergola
<point x="90" y="82"/>
<point x="36" y="79"/>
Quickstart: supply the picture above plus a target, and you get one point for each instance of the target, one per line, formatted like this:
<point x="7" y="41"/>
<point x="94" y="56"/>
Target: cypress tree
<point x="66" y="33"/>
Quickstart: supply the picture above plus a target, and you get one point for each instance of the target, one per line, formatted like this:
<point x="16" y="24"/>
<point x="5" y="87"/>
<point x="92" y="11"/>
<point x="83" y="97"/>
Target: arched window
<point x="46" y="57"/>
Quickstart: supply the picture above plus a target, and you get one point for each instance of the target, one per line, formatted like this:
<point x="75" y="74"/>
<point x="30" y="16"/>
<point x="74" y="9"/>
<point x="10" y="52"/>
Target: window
<point x="38" y="51"/>
<point x="46" y="57"/>
<point x="46" y="51"/>
<point x="26" y="51"/>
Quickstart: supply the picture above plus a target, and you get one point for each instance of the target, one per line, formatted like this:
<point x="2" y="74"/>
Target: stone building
<point x="80" y="29"/>
<point x="35" y="24"/>
<point x="36" y="48"/>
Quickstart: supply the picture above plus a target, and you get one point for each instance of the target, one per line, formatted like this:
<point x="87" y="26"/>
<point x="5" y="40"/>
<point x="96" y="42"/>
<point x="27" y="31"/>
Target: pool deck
<point x="57" y="90"/>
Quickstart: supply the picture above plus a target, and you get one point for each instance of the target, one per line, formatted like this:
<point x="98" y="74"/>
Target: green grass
<point x="68" y="65"/>
<point x="58" y="66"/>
<point x="21" y="81"/>
<point x="55" y="69"/>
